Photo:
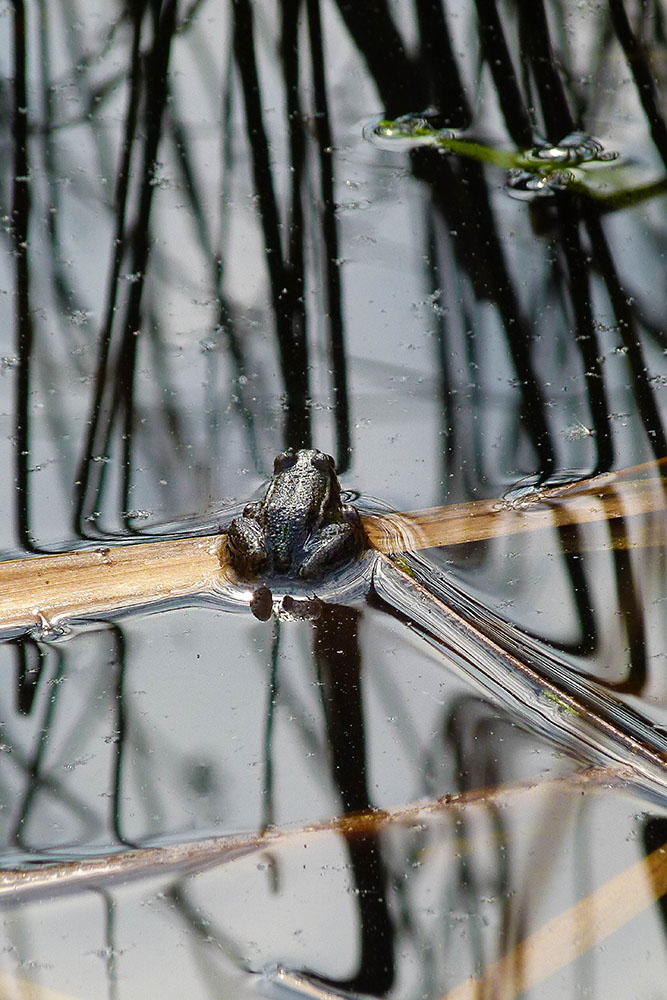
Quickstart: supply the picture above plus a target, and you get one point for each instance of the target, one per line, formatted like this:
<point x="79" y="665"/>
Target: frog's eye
<point x="284" y="461"/>
<point x="323" y="463"/>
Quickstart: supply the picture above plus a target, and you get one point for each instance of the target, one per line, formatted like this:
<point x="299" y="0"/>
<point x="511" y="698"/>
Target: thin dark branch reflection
<point x="207" y="262"/>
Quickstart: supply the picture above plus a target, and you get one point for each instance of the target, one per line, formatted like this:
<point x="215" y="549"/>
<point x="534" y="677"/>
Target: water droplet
<point x="138" y="515"/>
<point x="47" y="631"/>
<point x="577" y="431"/>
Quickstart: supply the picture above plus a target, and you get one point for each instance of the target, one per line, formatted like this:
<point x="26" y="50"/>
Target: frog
<point x="300" y="528"/>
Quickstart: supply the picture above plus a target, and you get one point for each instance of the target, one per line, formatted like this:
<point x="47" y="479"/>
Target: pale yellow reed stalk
<point x="565" y="937"/>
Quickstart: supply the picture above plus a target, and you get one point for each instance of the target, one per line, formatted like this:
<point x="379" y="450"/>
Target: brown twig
<point x="70" y="876"/>
<point x="602" y="498"/>
<point x="45" y="589"/>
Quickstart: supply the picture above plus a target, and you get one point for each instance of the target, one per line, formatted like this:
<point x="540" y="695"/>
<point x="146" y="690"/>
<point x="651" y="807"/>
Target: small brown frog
<point x="300" y="528"/>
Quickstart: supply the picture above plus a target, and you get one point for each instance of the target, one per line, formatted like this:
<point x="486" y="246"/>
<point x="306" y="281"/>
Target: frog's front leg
<point x="330" y="546"/>
<point x="246" y="541"/>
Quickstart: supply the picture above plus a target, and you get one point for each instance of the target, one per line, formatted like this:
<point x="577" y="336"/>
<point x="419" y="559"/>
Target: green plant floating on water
<point x="541" y="170"/>
<point x="563" y="705"/>
<point x="578" y="162"/>
<point x="574" y="149"/>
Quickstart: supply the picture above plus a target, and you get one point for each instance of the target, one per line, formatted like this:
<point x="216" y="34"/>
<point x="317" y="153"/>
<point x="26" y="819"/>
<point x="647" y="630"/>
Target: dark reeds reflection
<point x="20" y="231"/>
<point x="337" y="654"/>
<point x="207" y="263"/>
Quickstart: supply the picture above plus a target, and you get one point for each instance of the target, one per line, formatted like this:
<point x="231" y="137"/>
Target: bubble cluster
<point x="573" y="149"/>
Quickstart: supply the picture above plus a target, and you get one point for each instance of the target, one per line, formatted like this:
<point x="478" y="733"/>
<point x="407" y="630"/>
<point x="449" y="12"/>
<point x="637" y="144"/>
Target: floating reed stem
<point x="41" y="590"/>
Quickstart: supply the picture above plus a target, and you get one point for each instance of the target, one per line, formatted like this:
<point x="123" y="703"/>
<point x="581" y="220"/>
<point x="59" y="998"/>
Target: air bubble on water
<point x="104" y="953"/>
<point x="526" y="186"/>
<point x="79" y="317"/>
<point x="408" y="130"/>
<point x="80" y="761"/>
<point x="577" y="431"/>
<point x="47" y="631"/>
<point x="573" y="149"/>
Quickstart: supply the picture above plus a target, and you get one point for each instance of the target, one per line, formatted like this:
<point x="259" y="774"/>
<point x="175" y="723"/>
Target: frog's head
<point x="304" y="461"/>
<point x="307" y="469"/>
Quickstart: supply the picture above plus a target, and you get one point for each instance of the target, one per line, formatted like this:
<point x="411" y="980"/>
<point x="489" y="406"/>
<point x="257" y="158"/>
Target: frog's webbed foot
<point x="261" y="604"/>
<point x="333" y="544"/>
<point x="351" y="516"/>
<point x="307" y="609"/>
<point x="247" y="548"/>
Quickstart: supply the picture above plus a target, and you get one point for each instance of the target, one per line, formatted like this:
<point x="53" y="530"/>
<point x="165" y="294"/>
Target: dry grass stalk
<point x="565" y="937"/>
<point x="602" y="498"/>
<point x="193" y="856"/>
<point x="12" y="986"/>
<point x="546" y="951"/>
<point x="45" y="589"/>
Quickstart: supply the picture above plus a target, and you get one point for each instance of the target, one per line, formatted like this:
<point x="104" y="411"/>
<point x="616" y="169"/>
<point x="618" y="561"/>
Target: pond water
<point x="428" y="239"/>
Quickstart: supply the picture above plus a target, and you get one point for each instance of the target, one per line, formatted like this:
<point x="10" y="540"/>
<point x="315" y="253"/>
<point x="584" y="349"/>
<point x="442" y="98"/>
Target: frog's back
<point x="291" y="516"/>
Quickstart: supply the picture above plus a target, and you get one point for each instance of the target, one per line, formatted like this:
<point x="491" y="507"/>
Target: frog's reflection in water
<point x="337" y="655"/>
